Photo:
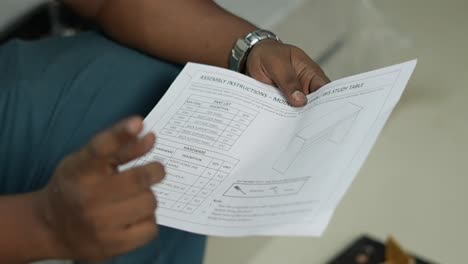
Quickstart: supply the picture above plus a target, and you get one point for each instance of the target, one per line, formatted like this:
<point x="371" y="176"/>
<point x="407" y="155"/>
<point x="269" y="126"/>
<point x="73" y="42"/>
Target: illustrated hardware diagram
<point x="266" y="189"/>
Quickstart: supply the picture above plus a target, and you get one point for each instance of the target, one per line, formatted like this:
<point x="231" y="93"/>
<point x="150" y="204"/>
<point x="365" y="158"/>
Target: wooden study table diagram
<point x="333" y="127"/>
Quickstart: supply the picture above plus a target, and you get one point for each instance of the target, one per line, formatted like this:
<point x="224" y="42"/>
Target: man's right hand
<point x="95" y="212"/>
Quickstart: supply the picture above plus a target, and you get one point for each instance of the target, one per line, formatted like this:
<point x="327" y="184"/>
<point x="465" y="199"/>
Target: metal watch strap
<point x="243" y="46"/>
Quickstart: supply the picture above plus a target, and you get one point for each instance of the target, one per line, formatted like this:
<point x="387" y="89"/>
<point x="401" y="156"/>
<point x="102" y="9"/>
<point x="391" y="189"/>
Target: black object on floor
<point x="366" y="250"/>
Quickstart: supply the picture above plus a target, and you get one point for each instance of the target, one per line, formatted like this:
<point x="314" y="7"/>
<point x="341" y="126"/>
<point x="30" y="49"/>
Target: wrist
<point x="24" y="235"/>
<point x="49" y="239"/>
<point x="244" y="46"/>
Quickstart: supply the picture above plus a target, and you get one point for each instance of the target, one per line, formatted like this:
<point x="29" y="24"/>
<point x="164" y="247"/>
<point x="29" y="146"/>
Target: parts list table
<point x="192" y="174"/>
<point x="210" y="122"/>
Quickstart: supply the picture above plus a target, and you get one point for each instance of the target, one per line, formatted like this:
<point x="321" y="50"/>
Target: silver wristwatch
<point x="243" y="46"/>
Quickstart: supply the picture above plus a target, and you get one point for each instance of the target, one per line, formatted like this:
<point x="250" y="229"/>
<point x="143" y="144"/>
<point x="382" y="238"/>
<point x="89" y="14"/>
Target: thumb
<point x="284" y="76"/>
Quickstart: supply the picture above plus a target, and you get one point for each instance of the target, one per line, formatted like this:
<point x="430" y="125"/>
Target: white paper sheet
<point x="241" y="162"/>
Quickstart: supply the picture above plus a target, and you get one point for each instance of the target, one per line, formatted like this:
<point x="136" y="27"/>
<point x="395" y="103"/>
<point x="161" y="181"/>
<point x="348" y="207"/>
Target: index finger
<point x="109" y="143"/>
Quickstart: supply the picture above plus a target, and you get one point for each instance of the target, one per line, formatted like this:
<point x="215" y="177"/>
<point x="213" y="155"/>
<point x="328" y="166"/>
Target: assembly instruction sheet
<point x="240" y="161"/>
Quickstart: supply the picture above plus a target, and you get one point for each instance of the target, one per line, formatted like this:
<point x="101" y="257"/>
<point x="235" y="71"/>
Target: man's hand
<point x="286" y="67"/>
<point x="96" y="212"/>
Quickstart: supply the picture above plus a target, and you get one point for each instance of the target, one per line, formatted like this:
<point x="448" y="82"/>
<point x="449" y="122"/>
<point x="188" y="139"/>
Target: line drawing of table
<point x="334" y="126"/>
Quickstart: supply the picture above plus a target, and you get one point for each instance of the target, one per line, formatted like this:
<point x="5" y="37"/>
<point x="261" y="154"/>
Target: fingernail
<point x="299" y="97"/>
<point x="133" y="126"/>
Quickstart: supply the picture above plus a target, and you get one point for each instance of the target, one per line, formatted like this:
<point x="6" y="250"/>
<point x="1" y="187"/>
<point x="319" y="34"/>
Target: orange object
<point x="395" y="254"/>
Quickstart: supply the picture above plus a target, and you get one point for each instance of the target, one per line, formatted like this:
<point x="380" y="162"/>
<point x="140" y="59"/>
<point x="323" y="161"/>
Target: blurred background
<point x="414" y="183"/>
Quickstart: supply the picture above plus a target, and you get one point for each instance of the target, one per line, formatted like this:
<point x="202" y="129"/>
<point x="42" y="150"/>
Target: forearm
<point x="23" y="236"/>
<point x="176" y="30"/>
<point x="201" y="31"/>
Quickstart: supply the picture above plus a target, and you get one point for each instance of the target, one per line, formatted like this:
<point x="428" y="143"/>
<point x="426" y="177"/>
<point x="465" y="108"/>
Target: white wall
<point x="263" y="13"/>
